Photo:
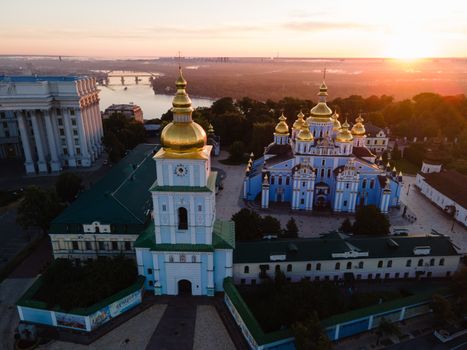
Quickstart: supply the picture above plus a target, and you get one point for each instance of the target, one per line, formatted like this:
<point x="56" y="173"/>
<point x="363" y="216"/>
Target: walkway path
<point x="177" y="327"/>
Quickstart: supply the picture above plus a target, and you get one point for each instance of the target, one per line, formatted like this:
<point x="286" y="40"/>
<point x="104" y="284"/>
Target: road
<point x="430" y="342"/>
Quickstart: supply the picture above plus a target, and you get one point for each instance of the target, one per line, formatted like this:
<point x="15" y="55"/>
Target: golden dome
<point x="336" y="124"/>
<point x="210" y="129"/>
<point x="282" y="128"/>
<point x="358" y="128"/>
<point x="344" y="135"/>
<point x="321" y="110"/>
<point x="300" y="122"/>
<point x="182" y="135"/>
<point x="305" y="134"/>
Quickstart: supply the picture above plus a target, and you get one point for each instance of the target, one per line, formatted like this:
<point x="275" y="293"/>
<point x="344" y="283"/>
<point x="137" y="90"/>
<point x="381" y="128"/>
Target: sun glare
<point x="409" y="46"/>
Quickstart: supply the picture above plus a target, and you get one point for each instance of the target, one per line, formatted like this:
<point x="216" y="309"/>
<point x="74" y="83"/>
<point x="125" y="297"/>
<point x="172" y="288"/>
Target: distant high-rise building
<point x="50" y="121"/>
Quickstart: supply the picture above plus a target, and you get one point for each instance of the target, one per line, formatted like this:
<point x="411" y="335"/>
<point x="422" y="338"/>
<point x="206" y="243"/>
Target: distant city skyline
<point x="332" y="28"/>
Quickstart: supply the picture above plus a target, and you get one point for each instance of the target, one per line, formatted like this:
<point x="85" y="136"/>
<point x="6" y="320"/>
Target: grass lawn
<point x="406" y="167"/>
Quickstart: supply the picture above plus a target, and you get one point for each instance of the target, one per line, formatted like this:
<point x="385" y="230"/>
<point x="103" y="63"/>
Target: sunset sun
<point x="409" y="46"/>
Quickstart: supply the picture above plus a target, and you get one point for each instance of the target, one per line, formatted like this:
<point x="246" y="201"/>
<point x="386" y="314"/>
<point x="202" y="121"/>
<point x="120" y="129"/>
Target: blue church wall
<point x="165" y="234"/>
<point x="219" y="269"/>
<point x="162" y="274"/>
<point x="147" y="259"/>
<point x="254" y="186"/>
<point x="200" y="235"/>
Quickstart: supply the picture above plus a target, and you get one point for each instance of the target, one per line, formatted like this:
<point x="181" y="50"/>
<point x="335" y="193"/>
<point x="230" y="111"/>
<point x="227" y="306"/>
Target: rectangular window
<point x="200" y="208"/>
<point x="78" y="150"/>
<point x="345" y="203"/>
<point x="76" y="142"/>
<point x="302" y="201"/>
<point x="88" y="246"/>
<point x="75" y="132"/>
<point x="59" y="111"/>
<point x="101" y="245"/>
<point x="323" y="162"/>
<point x="73" y="121"/>
<point x="72" y="111"/>
<point x="62" y="132"/>
<point x="74" y="245"/>
<point x="164" y="207"/>
<point x="114" y="245"/>
<point x="329" y="172"/>
<point x="149" y="271"/>
<point x="127" y="245"/>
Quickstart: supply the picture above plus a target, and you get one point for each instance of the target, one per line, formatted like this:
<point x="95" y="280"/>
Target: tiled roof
<point x="279" y="158"/>
<point x="450" y="183"/>
<point x="324" y="247"/>
<point x="121" y="197"/>
<point x="362" y="152"/>
<point x="372" y="130"/>
<point x="274" y="148"/>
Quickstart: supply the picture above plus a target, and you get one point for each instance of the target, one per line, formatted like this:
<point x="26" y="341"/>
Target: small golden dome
<point x="282" y="128"/>
<point x="305" y="134"/>
<point x="344" y="135"/>
<point x="336" y="124"/>
<point x="210" y="129"/>
<point x="321" y="110"/>
<point x="182" y="135"/>
<point x="300" y="122"/>
<point x="358" y="128"/>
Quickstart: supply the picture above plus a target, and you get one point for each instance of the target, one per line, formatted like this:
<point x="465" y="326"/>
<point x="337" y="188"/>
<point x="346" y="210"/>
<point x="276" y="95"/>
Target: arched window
<point x="389" y="263"/>
<point x="279" y="182"/>
<point x="287" y="180"/>
<point x="97" y="229"/>
<point x="432" y="262"/>
<point x="380" y="263"/>
<point x="420" y="262"/>
<point x="182" y="258"/>
<point x="193" y="258"/>
<point x="171" y="258"/>
<point x="338" y="266"/>
<point x="278" y="268"/>
<point x="441" y="262"/>
<point x="272" y="180"/>
<point x="182" y="219"/>
<point x="372" y="184"/>
<point x="246" y="269"/>
<point x="364" y="183"/>
<point x="308" y="267"/>
<point x="360" y="265"/>
<point x="289" y="267"/>
<point x="318" y="266"/>
<point x="349" y="265"/>
<point x="409" y="263"/>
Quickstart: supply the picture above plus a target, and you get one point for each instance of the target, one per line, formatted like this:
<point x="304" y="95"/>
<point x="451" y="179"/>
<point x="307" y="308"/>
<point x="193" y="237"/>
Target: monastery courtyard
<point x="427" y="216"/>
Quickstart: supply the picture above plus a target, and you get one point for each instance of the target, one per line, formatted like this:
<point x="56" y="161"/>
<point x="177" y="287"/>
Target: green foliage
<point x="237" y="151"/>
<point x="291" y="229"/>
<point x="459" y="287"/>
<point x="67" y="186"/>
<point x="270" y="225"/>
<point x="68" y="286"/>
<point x="346" y="226"/>
<point x="263" y="136"/>
<point x="249" y="225"/>
<point x="38" y="208"/>
<point x="415" y="153"/>
<point x="396" y="153"/>
<point x="387" y="328"/>
<point x="370" y="221"/>
<point x="442" y="310"/>
<point x="310" y="335"/>
<point x="121" y="134"/>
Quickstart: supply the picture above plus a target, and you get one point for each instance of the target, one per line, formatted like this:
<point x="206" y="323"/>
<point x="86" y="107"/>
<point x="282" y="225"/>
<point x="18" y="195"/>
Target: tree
<point x="38" y="208"/>
<point x="237" y="151"/>
<point x="459" y="287"/>
<point x="67" y="186"/>
<point x="442" y="310"/>
<point x="291" y="229"/>
<point x="247" y="224"/>
<point x="370" y="221"/>
<point x="386" y="327"/>
<point x="346" y="226"/>
<point x="270" y="225"/>
<point x="396" y="153"/>
<point x="310" y="335"/>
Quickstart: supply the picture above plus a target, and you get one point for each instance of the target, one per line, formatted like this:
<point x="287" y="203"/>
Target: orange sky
<point x="331" y="28"/>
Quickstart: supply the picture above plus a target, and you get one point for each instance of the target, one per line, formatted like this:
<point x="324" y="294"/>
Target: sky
<point x="247" y="28"/>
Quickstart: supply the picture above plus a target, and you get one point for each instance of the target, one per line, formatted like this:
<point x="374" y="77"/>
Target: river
<point x="153" y="105"/>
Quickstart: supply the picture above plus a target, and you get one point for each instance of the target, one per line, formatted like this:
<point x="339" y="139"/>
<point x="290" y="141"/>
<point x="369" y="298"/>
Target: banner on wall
<point x="124" y="304"/>
<point x="100" y="317"/>
<point x="70" y="321"/>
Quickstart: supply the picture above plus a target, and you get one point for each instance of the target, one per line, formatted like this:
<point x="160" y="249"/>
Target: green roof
<point x="388" y="306"/>
<point x="121" y="197"/>
<point x="210" y="186"/>
<point x="248" y="317"/>
<point x="322" y="248"/>
<point x="27" y="299"/>
<point x="223" y="238"/>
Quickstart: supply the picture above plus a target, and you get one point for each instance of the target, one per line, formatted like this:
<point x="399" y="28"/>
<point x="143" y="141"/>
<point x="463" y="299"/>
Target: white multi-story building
<point x="376" y="139"/>
<point x="51" y="121"/>
<point x="336" y="256"/>
<point x="445" y="188"/>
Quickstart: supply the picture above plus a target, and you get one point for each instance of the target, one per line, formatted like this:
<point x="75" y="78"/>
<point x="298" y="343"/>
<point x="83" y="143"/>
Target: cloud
<point x="314" y="26"/>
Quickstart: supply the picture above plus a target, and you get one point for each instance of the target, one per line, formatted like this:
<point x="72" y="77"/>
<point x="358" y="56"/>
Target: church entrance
<point x="184" y="288"/>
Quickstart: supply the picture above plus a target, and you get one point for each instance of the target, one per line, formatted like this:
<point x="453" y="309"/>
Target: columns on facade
<point x="310" y="188"/>
<point x="85" y="156"/>
<point x="265" y="193"/>
<point x="55" y="164"/>
<point x="41" y="161"/>
<point x="295" y="194"/>
<point x="29" y="162"/>
<point x="95" y="118"/>
<point x="69" y="138"/>
<point x="87" y="132"/>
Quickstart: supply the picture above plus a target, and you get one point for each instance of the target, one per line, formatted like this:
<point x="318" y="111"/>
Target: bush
<point x="370" y="221"/>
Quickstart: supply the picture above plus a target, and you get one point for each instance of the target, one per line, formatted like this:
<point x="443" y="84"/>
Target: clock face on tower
<point x="181" y="170"/>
